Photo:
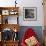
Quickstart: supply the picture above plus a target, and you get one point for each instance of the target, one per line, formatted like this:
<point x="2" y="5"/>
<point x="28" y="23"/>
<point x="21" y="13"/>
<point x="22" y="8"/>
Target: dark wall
<point x="37" y="29"/>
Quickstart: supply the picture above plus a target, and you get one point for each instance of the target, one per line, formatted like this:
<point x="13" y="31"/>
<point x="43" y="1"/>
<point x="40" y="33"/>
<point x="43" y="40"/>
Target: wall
<point x="32" y="3"/>
<point x="26" y="3"/>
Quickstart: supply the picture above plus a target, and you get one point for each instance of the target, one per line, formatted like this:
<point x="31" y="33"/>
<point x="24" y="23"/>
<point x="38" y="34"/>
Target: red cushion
<point x="29" y="33"/>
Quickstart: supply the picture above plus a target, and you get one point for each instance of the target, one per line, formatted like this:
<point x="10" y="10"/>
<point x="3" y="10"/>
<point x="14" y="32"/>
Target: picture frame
<point x="13" y="12"/>
<point x="30" y="13"/>
<point x="5" y="12"/>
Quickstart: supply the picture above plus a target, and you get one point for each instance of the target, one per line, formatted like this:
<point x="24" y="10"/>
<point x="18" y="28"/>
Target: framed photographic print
<point x="13" y="12"/>
<point x="5" y="12"/>
<point x="30" y="13"/>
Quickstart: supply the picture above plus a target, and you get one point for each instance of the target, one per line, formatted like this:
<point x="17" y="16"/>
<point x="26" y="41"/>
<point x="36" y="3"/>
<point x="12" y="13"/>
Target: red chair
<point x="29" y="33"/>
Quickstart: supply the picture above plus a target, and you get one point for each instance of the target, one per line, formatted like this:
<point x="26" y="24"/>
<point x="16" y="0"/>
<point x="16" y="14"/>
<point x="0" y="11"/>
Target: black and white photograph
<point x="30" y="13"/>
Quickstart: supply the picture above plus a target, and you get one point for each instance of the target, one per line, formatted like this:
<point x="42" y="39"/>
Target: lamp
<point x="15" y="3"/>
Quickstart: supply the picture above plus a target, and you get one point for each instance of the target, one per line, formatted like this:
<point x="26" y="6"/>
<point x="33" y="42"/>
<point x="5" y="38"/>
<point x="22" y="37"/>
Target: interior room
<point x="22" y="23"/>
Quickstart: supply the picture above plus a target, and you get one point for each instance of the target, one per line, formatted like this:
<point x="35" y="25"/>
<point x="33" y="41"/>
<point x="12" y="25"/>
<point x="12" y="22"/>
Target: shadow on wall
<point x="37" y="29"/>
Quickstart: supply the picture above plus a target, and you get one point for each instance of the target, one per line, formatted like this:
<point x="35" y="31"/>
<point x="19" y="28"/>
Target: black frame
<point x="30" y="13"/>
